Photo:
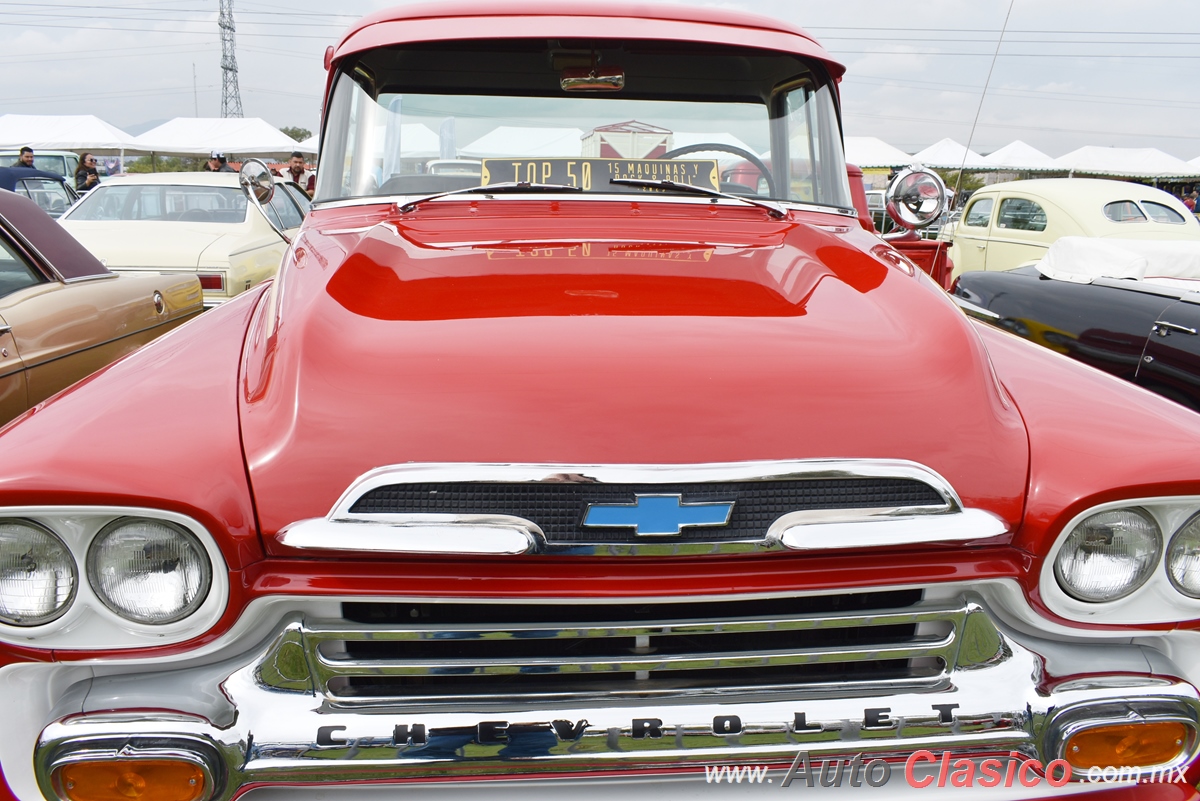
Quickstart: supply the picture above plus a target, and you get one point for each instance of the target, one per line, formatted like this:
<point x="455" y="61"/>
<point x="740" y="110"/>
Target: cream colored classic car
<point x="1009" y="224"/>
<point x="196" y="222"/>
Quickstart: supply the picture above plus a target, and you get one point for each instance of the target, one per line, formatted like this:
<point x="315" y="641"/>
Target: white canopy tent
<point x="415" y="141"/>
<point x="688" y="138"/>
<point x="1020" y="157"/>
<point x="948" y="154"/>
<point x="309" y="145"/>
<point x="195" y="136"/>
<point x="63" y="132"/>
<point x="507" y="140"/>
<point x="1126" y="162"/>
<point x="870" y="151"/>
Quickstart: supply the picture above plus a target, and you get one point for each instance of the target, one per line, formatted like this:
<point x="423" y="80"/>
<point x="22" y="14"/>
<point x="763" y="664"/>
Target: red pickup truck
<point x="579" y="468"/>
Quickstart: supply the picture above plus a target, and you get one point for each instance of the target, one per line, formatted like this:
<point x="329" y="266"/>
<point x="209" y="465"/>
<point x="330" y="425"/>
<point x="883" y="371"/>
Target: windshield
<point x="210" y="204"/>
<point x="425" y="119"/>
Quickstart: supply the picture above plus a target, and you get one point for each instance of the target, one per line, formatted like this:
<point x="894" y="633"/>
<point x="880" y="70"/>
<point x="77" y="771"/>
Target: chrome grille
<point x="867" y="642"/>
<point x="558" y="509"/>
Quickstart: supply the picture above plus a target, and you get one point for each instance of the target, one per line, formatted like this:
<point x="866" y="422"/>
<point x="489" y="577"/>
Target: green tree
<point x="165" y="164"/>
<point x="970" y="182"/>
<point x="299" y="134"/>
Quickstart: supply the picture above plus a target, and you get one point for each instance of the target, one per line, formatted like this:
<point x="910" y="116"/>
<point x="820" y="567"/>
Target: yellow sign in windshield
<point x="595" y="174"/>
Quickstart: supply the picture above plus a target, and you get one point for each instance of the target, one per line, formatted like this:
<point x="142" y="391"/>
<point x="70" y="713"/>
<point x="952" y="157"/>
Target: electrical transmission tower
<point x="231" y="98"/>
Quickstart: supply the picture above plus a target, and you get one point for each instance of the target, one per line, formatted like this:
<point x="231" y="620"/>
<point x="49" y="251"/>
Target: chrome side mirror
<point x="255" y="178"/>
<point x="259" y="185"/>
<point x="916" y="198"/>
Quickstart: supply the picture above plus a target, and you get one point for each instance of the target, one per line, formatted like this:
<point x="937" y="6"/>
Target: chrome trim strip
<point x="975" y="310"/>
<point x="336" y="231"/>
<point x="82" y="278"/>
<point x="880" y="529"/>
<point x="495" y="535"/>
<point x="427" y="472"/>
<point x="343" y="530"/>
<point x="321" y="630"/>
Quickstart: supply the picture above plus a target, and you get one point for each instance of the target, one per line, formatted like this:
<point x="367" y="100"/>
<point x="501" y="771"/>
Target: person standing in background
<point x="295" y="170"/>
<point x="86" y="176"/>
<point x="24" y="158"/>
<point x="218" y="163"/>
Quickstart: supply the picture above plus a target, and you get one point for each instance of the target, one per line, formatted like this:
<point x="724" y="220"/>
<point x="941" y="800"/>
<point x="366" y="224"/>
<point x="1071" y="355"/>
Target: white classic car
<point x="195" y="222"/>
<point x="1009" y="224"/>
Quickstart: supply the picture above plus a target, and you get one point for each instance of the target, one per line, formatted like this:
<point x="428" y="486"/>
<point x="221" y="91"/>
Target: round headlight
<point x="1108" y="555"/>
<point x="37" y="574"/>
<point x="1183" y="558"/>
<point x="149" y="571"/>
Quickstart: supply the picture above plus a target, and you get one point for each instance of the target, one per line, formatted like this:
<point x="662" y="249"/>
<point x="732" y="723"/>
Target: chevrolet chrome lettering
<point x="498" y="731"/>
<point x="501" y="485"/>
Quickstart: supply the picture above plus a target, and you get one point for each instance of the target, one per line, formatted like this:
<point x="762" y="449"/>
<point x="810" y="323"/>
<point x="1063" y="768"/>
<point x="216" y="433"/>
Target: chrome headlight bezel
<point x="88" y="623"/>
<point x="1156" y="600"/>
<point x="71" y="564"/>
<point x="1174" y="545"/>
<point x="95" y="568"/>
<point x="1149" y="543"/>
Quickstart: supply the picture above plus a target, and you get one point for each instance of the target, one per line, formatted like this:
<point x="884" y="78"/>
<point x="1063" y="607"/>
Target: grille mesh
<point x="558" y="509"/>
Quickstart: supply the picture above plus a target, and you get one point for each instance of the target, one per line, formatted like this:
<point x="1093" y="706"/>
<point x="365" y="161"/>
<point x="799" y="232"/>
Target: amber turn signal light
<point x="131" y="780"/>
<point x="1135" y="745"/>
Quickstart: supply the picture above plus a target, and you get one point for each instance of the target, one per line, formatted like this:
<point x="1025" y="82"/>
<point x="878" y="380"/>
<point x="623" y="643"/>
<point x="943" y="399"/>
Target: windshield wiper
<point x="774" y="209"/>
<point x="504" y="186"/>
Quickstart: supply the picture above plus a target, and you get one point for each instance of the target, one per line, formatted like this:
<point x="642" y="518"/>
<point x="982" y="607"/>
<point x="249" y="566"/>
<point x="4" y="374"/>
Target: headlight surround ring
<point x="149" y="570"/>
<point x="1109" y="555"/>
<point x="25" y="547"/>
<point x="1183" y="558"/>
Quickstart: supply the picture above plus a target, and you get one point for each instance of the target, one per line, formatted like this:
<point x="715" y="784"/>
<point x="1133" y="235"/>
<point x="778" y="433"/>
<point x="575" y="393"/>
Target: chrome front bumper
<point x="280" y="723"/>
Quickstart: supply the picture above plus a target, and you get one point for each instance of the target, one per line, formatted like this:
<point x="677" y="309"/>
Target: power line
<point x="1024" y="94"/>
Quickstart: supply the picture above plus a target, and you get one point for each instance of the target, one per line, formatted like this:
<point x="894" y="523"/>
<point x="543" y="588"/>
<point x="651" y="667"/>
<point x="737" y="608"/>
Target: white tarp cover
<point x="1021" y="157"/>
<point x="62" y="132"/>
<point x="870" y="151"/>
<point x="1128" y="162"/>
<point x="507" y="140"/>
<point x="1082" y="259"/>
<point x="236" y="136"/>
<point x="948" y="154"/>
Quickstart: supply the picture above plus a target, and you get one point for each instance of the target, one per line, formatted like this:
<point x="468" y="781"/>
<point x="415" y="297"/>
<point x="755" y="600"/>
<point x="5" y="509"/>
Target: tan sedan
<point x="195" y="222"/>
<point x="63" y="315"/>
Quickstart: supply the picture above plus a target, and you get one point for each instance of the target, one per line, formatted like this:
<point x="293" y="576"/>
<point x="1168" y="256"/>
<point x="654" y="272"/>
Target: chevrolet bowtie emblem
<point x="658" y="515"/>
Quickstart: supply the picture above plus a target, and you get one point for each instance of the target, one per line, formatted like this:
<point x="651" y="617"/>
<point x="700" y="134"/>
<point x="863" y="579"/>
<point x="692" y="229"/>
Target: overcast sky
<point x="1069" y="72"/>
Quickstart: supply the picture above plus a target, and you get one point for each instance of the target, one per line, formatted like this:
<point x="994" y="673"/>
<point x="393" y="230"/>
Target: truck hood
<point x="689" y="338"/>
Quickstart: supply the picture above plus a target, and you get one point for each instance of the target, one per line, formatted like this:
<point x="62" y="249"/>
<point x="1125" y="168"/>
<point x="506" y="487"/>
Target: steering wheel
<point x="700" y="147"/>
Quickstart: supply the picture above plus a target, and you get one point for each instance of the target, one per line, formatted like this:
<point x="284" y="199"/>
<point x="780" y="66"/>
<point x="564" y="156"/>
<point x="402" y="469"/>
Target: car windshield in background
<point x="436" y="118"/>
<point x="211" y="204"/>
<point x="49" y="194"/>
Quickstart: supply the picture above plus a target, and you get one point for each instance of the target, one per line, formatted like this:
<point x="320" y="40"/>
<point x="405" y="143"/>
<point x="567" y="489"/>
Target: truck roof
<point x="476" y="19"/>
